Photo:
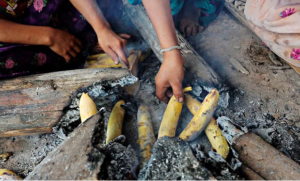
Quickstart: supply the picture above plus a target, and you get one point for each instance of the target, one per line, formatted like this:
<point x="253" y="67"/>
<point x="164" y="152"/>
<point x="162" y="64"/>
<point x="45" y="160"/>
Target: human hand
<point x="114" y="45"/>
<point x="64" y="44"/>
<point x="170" y="75"/>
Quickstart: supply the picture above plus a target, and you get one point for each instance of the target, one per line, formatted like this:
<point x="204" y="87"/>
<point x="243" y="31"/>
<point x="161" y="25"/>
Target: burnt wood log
<point x="34" y="104"/>
<point x="250" y="174"/>
<point x="76" y="158"/>
<point x="195" y="65"/>
<point x="264" y="159"/>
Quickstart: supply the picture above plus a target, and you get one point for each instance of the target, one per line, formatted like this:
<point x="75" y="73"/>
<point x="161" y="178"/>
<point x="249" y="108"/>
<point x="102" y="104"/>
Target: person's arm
<point x="111" y="43"/>
<point x="15" y="33"/>
<point x="171" y="72"/>
<point x="61" y="42"/>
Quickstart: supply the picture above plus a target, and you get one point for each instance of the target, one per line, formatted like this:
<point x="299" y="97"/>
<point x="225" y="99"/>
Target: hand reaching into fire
<point x="114" y="45"/>
<point x="170" y="75"/>
<point x="110" y="42"/>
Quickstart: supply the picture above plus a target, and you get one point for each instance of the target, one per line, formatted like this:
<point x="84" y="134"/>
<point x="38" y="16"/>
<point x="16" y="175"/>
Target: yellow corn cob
<point x="171" y="116"/>
<point x="115" y="122"/>
<point x="213" y="132"/>
<point x="102" y="60"/>
<point x="146" y="134"/>
<point x="87" y="107"/>
<point x="8" y="175"/>
<point x="4" y="157"/>
<point x="202" y="117"/>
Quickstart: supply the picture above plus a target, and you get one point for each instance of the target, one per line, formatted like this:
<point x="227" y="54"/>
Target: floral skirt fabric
<point x="25" y="59"/>
<point x="276" y="22"/>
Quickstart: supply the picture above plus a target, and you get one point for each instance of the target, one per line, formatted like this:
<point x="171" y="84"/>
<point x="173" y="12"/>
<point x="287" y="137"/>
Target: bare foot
<point x="188" y="19"/>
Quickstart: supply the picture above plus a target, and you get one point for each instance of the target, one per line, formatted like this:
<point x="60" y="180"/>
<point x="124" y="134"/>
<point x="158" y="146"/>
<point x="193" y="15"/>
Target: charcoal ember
<point x="220" y="168"/>
<point x="173" y="159"/>
<point x="120" y="160"/>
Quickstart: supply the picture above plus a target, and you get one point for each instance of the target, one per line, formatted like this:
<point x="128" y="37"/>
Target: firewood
<point x="34" y="104"/>
<point x="76" y="158"/>
<point x="259" y="155"/>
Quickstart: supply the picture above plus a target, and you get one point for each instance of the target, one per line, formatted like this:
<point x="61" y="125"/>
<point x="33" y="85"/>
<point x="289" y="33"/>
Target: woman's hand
<point x="111" y="43"/>
<point x="170" y="75"/>
<point x="114" y="45"/>
<point x="63" y="43"/>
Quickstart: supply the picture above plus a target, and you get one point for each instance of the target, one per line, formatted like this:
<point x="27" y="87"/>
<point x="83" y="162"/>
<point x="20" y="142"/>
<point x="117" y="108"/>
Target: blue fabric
<point x="176" y="5"/>
<point x="210" y="9"/>
<point x="135" y="2"/>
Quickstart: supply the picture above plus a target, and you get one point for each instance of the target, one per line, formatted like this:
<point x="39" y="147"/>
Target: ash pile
<point x="209" y="149"/>
<point x="82" y="151"/>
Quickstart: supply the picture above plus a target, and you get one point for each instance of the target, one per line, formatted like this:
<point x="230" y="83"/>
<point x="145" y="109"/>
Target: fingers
<point x="68" y="54"/>
<point x="112" y="55"/>
<point x="78" y="42"/>
<point x="177" y="90"/>
<point x="169" y="93"/>
<point x="121" y="51"/>
<point x="122" y="55"/>
<point x="73" y="53"/>
<point x="116" y="53"/>
<point x="161" y="93"/>
<point x="195" y="30"/>
<point x="189" y="31"/>
<point x="67" y="57"/>
<point x="76" y="48"/>
<point x="200" y="29"/>
<point x="182" y="29"/>
<point x="125" y="36"/>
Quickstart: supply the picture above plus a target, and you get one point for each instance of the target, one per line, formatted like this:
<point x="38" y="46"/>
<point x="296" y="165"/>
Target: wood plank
<point x="240" y="17"/>
<point x="64" y="163"/>
<point x="195" y="65"/>
<point x="34" y="104"/>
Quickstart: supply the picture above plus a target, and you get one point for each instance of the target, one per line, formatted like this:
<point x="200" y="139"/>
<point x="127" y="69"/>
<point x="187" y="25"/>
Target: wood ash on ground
<point x="120" y="161"/>
<point x="221" y="169"/>
<point x="104" y="94"/>
<point x="173" y="158"/>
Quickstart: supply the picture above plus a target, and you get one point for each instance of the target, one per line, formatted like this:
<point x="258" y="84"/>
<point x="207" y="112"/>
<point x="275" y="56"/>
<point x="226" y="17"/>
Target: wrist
<point x="47" y="39"/>
<point x="174" y="56"/>
<point x="102" y="27"/>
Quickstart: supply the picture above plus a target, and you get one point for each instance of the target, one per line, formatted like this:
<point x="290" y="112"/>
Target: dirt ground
<point x="264" y="94"/>
<point x="266" y="101"/>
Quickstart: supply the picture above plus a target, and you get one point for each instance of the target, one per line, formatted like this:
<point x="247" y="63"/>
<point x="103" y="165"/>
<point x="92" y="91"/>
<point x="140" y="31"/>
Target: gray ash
<point x="173" y="159"/>
<point x="103" y="93"/>
<point x="221" y="169"/>
<point x="120" y="161"/>
<point x="277" y="135"/>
